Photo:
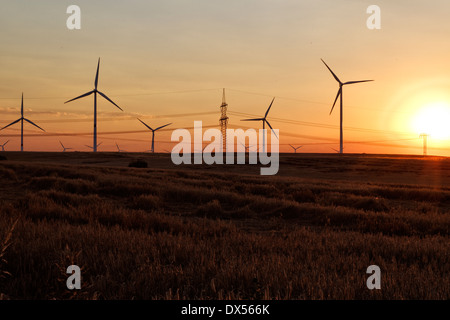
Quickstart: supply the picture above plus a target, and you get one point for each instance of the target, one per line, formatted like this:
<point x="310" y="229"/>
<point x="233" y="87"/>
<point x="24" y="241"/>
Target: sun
<point x="433" y="119"/>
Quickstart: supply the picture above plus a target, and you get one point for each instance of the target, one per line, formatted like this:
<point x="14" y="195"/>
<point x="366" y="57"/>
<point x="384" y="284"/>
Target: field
<point x="222" y="231"/>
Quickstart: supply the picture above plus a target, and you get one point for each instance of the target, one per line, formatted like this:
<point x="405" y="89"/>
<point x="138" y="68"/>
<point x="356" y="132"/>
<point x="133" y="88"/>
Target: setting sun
<point x="433" y="119"/>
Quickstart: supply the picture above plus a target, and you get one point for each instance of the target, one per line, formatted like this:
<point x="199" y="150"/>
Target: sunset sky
<point x="167" y="61"/>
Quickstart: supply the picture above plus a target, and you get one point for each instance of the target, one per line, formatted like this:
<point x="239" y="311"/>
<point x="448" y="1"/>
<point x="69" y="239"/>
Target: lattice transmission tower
<point x="224" y="121"/>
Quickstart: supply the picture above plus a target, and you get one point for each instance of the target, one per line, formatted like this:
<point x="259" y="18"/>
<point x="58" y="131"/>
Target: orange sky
<point x="167" y="61"/>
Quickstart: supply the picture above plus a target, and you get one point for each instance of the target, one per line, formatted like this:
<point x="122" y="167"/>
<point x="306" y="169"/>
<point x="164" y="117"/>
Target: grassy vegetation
<point x="139" y="163"/>
<point x="206" y="234"/>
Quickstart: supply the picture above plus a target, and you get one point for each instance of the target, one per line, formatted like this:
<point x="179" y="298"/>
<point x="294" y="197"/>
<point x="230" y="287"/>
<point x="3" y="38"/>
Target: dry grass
<point x="205" y="234"/>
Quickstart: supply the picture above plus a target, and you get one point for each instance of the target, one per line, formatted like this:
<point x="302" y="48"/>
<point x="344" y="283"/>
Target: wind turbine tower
<point x="264" y="121"/>
<point x="224" y="120"/>
<point x="295" y="148"/>
<point x="153" y="133"/>
<point x="3" y="145"/>
<point x="64" y="148"/>
<point x="96" y="147"/>
<point x="95" y="91"/>
<point x="21" y="120"/>
<point x="424" y="136"/>
<point x="118" y="148"/>
<point x="340" y="94"/>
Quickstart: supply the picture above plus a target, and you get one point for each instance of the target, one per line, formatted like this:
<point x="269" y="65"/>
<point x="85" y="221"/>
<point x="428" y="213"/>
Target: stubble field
<point x="224" y="232"/>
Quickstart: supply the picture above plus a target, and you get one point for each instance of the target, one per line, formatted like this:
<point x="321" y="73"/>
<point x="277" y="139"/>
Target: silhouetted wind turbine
<point x="21" y="119"/>
<point x="247" y="148"/>
<point x="93" y="147"/>
<point x="118" y="149"/>
<point x="264" y="121"/>
<point x="95" y="91"/>
<point x="295" y="149"/>
<point x="336" y="150"/>
<point x="153" y="133"/>
<point x="339" y="94"/>
<point x="3" y="145"/>
<point x="64" y="148"/>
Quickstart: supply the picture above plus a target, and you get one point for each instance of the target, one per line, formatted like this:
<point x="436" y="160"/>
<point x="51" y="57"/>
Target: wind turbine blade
<point x="271" y="128"/>
<point x="30" y="122"/>
<point x="104" y="96"/>
<point x="258" y="119"/>
<point x="163" y="126"/>
<point x="352" y="82"/>
<point x="21" y="107"/>
<point x="82" y="96"/>
<point x="61" y="144"/>
<point x="5" y="143"/>
<point x="265" y="116"/>
<point x="96" y="76"/>
<point x="335" y="76"/>
<point x="11" y="124"/>
<point x="145" y="124"/>
<point x="99" y="144"/>
<point x="338" y="94"/>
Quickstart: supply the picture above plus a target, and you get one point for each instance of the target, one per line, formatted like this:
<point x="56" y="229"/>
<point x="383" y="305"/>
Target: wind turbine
<point x="339" y="94"/>
<point x="153" y="133"/>
<point x="247" y="148"/>
<point x="118" y="149"/>
<point x="64" y="148"/>
<point x="95" y="91"/>
<point x="295" y="149"/>
<point x="21" y="119"/>
<point x="264" y="121"/>
<point x="336" y="150"/>
<point x="93" y="147"/>
<point x="3" y="145"/>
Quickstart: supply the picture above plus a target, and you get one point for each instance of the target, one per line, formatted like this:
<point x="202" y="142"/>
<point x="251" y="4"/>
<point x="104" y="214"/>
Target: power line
<point x="203" y="90"/>
<point x="121" y="95"/>
<point x="56" y="134"/>
<point x="125" y="118"/>
<point x="88" y="134"/>
<point x="288" y="121"/>
<point x="326" y="140"/>
<point x="310" y="101"/>
<point x="242" y="114"/>
<point x="320" y="125"/>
